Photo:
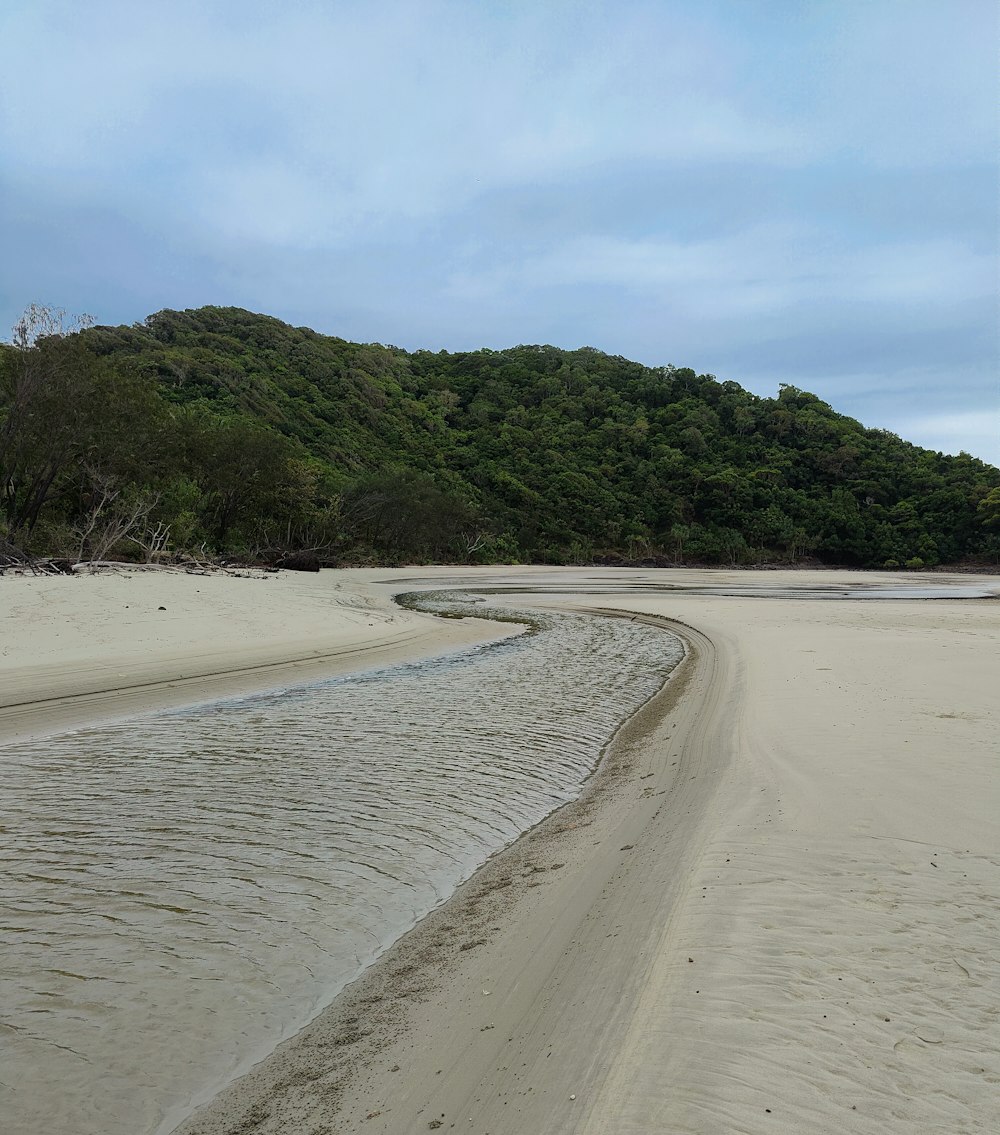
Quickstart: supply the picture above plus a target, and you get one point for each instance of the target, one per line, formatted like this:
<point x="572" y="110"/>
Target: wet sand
<point x="77" y="650"/>
<point x="773" y="909"/>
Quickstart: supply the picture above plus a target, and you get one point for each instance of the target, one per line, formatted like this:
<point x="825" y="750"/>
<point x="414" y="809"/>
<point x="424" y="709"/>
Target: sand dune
<point x="775" y="908"/>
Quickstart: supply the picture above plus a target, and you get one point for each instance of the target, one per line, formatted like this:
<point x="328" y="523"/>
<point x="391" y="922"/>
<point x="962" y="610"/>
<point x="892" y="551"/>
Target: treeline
<point x="226" y="433"/>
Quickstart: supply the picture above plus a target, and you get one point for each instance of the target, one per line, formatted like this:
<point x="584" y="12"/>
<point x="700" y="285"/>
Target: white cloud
<point x="771" y="270"/>
<point x="712" y="184"/>
<point x="911" y="82"/>
<point x="972" y="431"/>
<point x="369" y="111"/>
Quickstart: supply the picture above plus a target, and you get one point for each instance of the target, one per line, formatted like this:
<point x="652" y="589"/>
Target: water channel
<point x="183" y="890"/>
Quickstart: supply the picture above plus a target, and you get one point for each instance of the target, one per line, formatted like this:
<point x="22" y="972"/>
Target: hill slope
<point x="249" y="435"/>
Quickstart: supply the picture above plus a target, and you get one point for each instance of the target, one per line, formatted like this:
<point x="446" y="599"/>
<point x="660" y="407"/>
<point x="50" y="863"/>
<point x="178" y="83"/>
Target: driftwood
<point x="185" y="567"/>
<point x="87" y="567"/>
<point x="14" y="559"/>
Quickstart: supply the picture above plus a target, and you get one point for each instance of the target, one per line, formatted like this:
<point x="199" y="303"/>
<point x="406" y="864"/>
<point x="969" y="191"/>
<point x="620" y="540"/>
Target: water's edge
<point x="187" y="887"/>
<point x="361" y="1017"/>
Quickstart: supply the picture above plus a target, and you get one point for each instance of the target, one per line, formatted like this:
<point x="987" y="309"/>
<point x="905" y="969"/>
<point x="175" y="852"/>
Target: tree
<point x="407" y="514"/>
<point x="249" y="477"/>
<point x="116" y="515"/>
<point x="253" y="437"/>
<point x="989" y="509"/>
<point x="35" y="436"/>
<point x="63" y="409"/>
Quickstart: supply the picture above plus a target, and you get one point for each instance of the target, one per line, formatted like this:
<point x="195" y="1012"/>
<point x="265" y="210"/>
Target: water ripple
<point x="181" y="891"/>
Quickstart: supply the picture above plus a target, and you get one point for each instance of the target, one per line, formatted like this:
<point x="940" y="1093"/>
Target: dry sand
<point x="775" y="909"/>
<point x="77" y="649"/>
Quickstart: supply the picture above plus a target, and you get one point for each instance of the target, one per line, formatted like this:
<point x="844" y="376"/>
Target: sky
<point x="770" y="191"/>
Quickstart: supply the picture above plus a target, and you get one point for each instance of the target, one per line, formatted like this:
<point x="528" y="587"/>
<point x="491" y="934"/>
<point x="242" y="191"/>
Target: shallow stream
<point x="181" y="891"/>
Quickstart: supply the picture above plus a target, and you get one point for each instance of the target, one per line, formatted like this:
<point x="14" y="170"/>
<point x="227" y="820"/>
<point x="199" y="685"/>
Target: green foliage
<point x="989" y="509"/>
<point x="246" y="436"/>
<point x="66" y="417"/>
<point x="404" y="513"/>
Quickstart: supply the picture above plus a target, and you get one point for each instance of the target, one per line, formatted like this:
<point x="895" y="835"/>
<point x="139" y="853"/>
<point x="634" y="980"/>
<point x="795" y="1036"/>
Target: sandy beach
<point x="774" y="908"/>
<point x="80" y="649"/>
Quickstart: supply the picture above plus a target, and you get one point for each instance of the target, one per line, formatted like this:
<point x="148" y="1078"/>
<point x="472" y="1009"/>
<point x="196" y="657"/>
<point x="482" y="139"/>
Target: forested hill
<point x="239" y="434"/>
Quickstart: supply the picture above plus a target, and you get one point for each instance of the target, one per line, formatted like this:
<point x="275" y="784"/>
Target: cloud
<point x="807" y="199"/>
<point x="906" y="80"/>
<point x="367" y="113"/>
<point x="760" y="277"/>
<point x="974" y="431"/>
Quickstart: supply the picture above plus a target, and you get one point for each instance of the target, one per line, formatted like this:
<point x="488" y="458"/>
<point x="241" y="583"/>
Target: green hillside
<point x="244" y="436"/>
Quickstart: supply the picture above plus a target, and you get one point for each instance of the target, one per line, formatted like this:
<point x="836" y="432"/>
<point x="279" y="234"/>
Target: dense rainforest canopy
<point x="239" y="435"/>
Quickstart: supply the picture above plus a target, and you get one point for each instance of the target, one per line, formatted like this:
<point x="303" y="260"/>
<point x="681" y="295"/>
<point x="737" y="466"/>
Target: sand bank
<point x="74" y="650"/>
<point x="775" y="908"/>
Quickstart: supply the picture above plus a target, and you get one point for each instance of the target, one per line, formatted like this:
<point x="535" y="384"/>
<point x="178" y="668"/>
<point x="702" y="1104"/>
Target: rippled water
<point x="181" y="891"/>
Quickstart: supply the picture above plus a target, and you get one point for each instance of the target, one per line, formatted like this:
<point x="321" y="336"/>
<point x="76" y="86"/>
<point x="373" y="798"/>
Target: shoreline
<point x="799" y="934"/>
<point x="66" y="672"/>
<point x="458" y="969"/>
<point x="793" y="927"/>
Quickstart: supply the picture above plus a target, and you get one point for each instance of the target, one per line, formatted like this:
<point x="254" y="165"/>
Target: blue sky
<point x="801" y="191"/>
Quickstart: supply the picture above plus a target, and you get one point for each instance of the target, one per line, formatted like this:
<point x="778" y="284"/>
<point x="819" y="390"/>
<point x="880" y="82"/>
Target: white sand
<point x="78" y="649"/>
<point x="844" y="911"/>
<point x="778" y="908"/>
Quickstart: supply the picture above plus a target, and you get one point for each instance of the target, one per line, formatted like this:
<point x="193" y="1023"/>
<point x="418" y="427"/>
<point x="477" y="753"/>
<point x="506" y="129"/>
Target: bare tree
<point x="473" y="541"/>
<point x="113" y="517"/>
<point x="152" y="538"/>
